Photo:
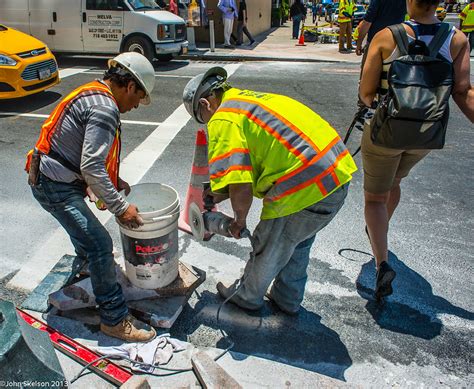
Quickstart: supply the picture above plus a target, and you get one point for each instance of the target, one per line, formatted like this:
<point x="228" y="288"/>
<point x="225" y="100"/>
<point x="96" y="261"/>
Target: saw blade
<point x="196" y="221"/>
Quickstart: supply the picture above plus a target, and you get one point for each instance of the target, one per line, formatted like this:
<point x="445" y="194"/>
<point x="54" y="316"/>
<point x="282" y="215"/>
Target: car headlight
<point x="163" y="31"/>
<point x="5" y="60"/>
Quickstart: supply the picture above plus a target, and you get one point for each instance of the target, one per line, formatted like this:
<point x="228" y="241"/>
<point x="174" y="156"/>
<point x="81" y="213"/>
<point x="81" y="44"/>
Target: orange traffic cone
<point x="301" y="40"/>
<point x="199" y="175"/>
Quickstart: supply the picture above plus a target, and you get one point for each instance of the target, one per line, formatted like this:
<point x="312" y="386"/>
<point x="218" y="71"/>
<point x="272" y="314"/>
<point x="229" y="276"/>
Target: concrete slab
<point x="62" y="274"/>
<point x="80" y="294"/>
<point x="158" y="307"/>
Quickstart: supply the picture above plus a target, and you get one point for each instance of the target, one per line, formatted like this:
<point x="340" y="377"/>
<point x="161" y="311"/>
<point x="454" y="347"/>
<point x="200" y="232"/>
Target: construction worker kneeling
<point x="277" y="149"/>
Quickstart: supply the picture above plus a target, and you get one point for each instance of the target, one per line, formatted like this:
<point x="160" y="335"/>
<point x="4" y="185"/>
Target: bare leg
<point x="394" y="198"/>
<point x="377" y="218"/>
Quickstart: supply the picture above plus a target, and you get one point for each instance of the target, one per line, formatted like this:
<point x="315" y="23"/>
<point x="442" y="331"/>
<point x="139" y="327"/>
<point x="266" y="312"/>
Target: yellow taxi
<point x="440" y="13"/>
<point x="27" y="66"/>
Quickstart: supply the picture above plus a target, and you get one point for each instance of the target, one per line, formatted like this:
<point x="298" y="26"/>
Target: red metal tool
<point x="81" y="354"/>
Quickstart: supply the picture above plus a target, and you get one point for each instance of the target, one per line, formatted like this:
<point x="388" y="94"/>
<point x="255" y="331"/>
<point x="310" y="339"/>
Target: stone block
<point x="210" y="374"/>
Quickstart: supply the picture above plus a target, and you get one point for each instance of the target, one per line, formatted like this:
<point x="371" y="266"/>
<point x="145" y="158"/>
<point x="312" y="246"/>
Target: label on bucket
<point x="149" y="252"/>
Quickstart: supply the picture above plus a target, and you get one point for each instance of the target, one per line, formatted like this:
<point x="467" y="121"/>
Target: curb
<point x="242" y="58"/>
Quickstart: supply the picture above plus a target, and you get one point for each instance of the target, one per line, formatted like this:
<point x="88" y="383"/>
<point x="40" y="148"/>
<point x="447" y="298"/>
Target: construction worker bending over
<point x="346" y="10"/>
<point x="78" y="150"/>
<point x="466" y="23"/>
<point x="275" y="148"/>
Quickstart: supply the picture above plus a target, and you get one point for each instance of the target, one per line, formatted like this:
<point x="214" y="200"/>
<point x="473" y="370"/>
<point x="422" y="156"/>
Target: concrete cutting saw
<point x="208" y="221"/>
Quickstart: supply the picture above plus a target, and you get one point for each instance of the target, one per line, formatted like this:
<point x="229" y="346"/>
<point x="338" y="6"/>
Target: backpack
<point x="414" y="113"/>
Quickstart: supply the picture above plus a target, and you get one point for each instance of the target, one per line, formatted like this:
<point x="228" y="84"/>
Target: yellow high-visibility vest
<point x="345" y="6"/>
<point x="467" y="17"/>
<point x="292" y="157"/>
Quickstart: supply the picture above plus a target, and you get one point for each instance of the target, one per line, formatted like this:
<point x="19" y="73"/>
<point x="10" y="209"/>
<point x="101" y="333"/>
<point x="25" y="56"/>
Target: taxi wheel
<point x="140" y="45"/>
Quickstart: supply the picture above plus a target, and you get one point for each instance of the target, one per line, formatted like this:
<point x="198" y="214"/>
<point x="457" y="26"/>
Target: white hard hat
<point x="140" y="68"/>
<point x="200" y="86"/>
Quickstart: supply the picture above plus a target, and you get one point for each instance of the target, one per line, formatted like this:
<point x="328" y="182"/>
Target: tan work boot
<point x="130" y="330"/>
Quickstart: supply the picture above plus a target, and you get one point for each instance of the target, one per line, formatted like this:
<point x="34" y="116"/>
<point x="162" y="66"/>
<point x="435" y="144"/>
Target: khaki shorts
<point x="383" y="165"/>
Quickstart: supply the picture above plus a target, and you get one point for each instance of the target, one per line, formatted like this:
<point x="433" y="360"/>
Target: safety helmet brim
<point x="140" y="68"/>
<point x="200" y="86"/>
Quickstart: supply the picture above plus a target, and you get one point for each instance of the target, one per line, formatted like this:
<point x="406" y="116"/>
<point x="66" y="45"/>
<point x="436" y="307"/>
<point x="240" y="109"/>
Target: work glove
<point x="347" y="14"/>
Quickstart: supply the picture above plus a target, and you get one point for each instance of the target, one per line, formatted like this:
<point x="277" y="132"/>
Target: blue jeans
<point x="281" y="248"/>
<point x="296" y="26"/>
<point x="65" y="201"/>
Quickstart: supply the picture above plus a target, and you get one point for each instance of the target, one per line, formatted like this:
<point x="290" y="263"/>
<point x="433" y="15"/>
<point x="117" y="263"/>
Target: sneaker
<point x="385" y="276"/>
<point x="130" y="330"/>
<point x="252" y="42"/>
<point x="226" y="291"/>
<point x="287" y="311"/>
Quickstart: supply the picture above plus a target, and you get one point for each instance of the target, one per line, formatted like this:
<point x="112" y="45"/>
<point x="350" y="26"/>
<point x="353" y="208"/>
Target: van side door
<point x="66" y="25"/>
<point x="103" y="25"/>
<point x="40" y="16"/>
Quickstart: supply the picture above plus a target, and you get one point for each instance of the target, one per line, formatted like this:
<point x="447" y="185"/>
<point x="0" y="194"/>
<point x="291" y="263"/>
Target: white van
<point x="99" y="26"/>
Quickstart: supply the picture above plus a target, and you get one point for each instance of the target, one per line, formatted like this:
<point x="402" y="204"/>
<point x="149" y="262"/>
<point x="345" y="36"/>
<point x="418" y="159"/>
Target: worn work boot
<point x="270" y="298"/>
<point x="385" y="276"/>
<point x="227" y="291"/>
<point x="130" y="330"/>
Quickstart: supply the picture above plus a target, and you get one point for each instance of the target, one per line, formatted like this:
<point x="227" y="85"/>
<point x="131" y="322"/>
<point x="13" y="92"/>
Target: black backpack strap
<point x="439" y="39"/>
<point x="401" y="38"/>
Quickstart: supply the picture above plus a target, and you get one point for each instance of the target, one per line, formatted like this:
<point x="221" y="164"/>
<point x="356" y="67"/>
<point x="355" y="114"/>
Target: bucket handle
<point x="159" y="218"/>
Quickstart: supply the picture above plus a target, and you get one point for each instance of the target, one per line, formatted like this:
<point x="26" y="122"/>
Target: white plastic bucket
<point x="151" y="251"/>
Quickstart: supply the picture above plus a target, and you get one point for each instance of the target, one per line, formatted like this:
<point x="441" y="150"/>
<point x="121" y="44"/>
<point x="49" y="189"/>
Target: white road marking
<point x="156" y="74"/>
<point x="63" y="73"/>
<point x="132" y="169"/>
<point x="42" y="116"/>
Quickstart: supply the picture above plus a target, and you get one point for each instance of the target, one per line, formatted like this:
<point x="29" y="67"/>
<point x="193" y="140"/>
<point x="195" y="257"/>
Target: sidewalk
<point x="275" y="45"/>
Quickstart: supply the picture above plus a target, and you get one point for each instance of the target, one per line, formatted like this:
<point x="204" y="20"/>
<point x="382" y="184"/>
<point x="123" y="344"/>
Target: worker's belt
<point x="68" y="165"/>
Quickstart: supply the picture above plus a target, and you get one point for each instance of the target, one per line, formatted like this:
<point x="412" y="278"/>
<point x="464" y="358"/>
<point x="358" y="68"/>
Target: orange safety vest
<point x="43" y="145"/>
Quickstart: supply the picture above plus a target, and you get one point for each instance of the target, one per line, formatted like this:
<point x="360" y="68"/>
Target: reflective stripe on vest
<point x="236" y="159"/>
<point x="49" y="127"/>
<point x="287" y="134"/>
<point x="319" y="171"/>
<point x="318" y="166"/>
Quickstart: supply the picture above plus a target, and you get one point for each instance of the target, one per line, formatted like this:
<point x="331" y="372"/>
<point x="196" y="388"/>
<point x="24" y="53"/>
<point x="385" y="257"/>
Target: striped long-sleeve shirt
<point x="84" y="137"/>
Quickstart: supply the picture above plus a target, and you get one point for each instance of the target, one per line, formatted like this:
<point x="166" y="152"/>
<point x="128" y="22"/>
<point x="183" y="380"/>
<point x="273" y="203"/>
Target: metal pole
<point x="212" y="39"/>
<point x="191" y="38"/>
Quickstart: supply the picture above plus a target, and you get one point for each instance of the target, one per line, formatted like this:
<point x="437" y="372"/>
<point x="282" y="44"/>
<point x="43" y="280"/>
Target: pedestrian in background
<point x="380" y="14"/>
<point x="242" y="24"/>
<point x="297" y="14"/>
<point x="346" y="10"/>
<point x="78" y="153"/>
<point x="384" y="167"/>
<point x="303" y="181"/>
<point x="229" y="13"/>
<point x="466" y="23"/>
<point x="314" y="11"/>
<point x="173" y="7"/>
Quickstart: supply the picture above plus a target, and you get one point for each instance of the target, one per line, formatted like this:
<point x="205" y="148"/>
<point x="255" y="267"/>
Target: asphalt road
<point x="421" y="336"/>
